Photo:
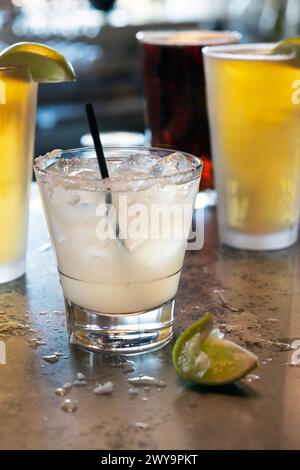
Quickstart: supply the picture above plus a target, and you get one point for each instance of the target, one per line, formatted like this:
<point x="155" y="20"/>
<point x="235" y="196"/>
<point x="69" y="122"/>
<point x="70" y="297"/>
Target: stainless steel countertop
<point x="259" y="308"/>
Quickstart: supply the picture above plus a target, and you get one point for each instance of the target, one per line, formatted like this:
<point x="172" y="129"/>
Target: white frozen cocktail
<point x="119" y="242"/>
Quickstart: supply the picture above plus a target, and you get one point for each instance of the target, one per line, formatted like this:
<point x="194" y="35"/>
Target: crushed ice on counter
<point x="293" y="364"/>
<point x="61" y="391"/>
<point x="278" y="344"/>
<point x="251" y="378"/>
<point x="81" y="380"/>
<point x="51" y="359"/>
<point x="80" y="383"/>
<point x="146" y="380"/>
<point x="105" y="389"/>
<point x="81" y="376"/>
<point x="141" y="425"/>
<point x="67" y="385"/>
<point x="34" y="343"/>
<point x="266" y="361"/>
<point x="69" y="405"/>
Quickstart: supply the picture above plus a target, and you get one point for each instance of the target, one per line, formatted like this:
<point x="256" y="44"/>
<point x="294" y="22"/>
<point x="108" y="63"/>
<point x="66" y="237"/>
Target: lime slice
<point x="202" y="358"/>
<point x="187" y="354"/>
<point x="288" y="45"/>
<point x="45" y="64"/>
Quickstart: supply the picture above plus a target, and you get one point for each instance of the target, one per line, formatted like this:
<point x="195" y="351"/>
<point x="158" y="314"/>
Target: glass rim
<point x="22" y="73"/>
<point x="14" y="67"/>
<point x="235" y="52"/>
<point x="50" y="158"/>
<point x="4" y="68"/>
<point x="8" y="68"/>
<point x="212" y="37"/>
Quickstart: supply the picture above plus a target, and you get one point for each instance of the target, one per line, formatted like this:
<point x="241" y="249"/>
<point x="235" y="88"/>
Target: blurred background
<point x="98" y="36"/>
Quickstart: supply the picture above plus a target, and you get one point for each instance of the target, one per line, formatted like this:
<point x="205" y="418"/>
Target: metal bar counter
<point x="255" y="297"/>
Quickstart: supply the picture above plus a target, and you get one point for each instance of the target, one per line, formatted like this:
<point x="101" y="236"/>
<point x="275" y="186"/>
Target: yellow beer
<point x="17" y="125"/>
<point x="255" y="122"/>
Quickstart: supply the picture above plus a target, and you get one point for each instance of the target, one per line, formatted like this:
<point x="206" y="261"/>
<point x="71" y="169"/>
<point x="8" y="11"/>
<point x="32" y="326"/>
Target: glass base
<point x="133" y="333"/>
<point x="11" y="271"/>
<point x="274" y="241"/>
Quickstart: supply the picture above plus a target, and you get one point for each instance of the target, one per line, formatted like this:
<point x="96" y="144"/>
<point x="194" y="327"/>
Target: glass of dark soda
<point x="176" y="114"/>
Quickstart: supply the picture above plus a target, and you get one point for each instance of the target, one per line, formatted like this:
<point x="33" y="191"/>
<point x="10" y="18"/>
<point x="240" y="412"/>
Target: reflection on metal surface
<point x="52" y="359"/>
<point x="105" y="389"/>
<point x="146" y="380"/>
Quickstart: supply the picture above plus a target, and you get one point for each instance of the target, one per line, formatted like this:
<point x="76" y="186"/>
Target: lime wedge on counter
<point x="200" y="357"/>
<point x="45" y="64"/>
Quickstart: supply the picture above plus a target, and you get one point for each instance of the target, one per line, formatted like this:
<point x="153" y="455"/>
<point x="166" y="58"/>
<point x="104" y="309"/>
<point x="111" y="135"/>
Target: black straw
<point x="96" y="139"/>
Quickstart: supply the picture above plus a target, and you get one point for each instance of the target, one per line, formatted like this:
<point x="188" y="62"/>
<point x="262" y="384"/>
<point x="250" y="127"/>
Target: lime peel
<point x="288" y="46"/>
<point x="201" y="357"/>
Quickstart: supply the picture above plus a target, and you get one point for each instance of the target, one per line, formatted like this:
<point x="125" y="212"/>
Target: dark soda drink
<point x="176" y="115"/>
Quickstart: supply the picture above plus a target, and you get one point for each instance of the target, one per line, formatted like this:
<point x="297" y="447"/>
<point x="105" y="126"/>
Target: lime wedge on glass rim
<point x="288" y="45"/>
<point x="200" y="357"/>
<point x="45" y="64"/>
